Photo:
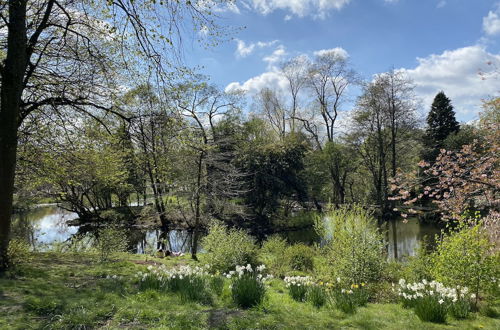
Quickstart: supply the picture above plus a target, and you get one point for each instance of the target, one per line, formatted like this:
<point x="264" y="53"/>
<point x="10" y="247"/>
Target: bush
<point x="298" y="286"/>
<point x="248" y="288"/>
<point x="110" y="240"/>
<point x="420" y="266"/>
<point x="271" y="254"/>
<point x="227" y="248"/>
<point x="19" y="252"/>
<point x="464" y="258"/>
<point x="299" y="257"/>
<point x="354" y="248"/>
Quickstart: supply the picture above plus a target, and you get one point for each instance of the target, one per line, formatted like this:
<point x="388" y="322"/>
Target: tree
<point x="441" y="123"/>
<point x="213" y="182"/>
<point x="56" y="56"/>
<point x="458" y="181"/>
<point x="384" y="122"/>
<point x="329" y="76"/>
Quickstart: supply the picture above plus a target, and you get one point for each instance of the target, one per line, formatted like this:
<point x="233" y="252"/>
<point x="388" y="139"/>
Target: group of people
<point x="167" y="253"/>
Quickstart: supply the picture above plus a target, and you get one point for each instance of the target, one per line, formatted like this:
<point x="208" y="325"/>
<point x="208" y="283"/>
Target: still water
<point x="46" y="225"/>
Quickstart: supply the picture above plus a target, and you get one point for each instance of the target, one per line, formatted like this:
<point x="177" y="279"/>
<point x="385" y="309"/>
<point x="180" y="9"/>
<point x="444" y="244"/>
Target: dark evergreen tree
<point x="441" y="123"/>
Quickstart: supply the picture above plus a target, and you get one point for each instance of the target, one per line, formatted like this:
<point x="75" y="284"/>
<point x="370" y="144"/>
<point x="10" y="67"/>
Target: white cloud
<point x="441" y="4"/>
<point x="391" y="1"/>
<point x="491" y="23"/>
<point x="243" y="49"/>
<point x="337" y="50"/>
<point x="456" y="72"/>
<point x="276" y="57"/>
<point x="211" y="5"/>
<point x="300" y="8"/>
<point x="270" y="79"/>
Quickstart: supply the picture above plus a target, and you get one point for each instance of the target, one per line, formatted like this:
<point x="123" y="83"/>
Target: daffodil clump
<point x="316" y="294"/>
<point x="348" y="298"/>
<point x="190" y="282"/>
<point x="432" y="301"/>
<point x="248" y="285"/>
<point x="298" y="286"/>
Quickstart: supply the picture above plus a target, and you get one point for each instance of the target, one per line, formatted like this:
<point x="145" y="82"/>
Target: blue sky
<point x="441" y="44"/>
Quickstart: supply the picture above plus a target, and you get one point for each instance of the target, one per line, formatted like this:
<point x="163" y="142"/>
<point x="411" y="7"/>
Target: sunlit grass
<point x="58" y="291"/>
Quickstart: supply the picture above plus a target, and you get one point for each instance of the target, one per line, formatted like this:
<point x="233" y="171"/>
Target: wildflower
<point x="473" y="296"/>
<point x="441" y="301"/>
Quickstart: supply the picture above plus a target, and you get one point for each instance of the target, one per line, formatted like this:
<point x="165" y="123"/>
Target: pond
<point x="46" y="225"/>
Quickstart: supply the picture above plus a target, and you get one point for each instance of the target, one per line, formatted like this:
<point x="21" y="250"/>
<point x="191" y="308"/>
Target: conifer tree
<point x="441" y="123"/>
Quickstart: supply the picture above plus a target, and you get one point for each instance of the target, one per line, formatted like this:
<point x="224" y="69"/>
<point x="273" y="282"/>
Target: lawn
<point x="72" y="291"/>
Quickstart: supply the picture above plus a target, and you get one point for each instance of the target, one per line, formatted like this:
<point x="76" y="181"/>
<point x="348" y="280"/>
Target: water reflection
<point x="46" y="225"/>
<point x="404" y="239"/>
<point x="43" y="225"/>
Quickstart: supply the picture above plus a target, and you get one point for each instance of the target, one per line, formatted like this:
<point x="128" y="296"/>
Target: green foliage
<point x="316" y="295"/>
<point x="274" y="174"/>
<point x="354" y="248"/>
<point x="43" y="306"/>
<point x="464" y="258"/>
<point x="194" y="288"/>
<point x="226" y="248"/>
<point x="216" y="284"/>
<point x="419" y="266"/>
<point x="271" y="254"/>
<point x="110" y="240"/>
<point x="349" y="299"/>
<point x="441" y="121"/>
<point x="429" y="309"/>
<point x="299" y="257"/>
<point x="247" y="290"/>
<point x="19" y="252"/>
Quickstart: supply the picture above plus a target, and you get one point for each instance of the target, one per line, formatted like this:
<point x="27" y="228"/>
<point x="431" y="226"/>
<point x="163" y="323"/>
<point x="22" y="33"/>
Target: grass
<point x="67" y="291"/>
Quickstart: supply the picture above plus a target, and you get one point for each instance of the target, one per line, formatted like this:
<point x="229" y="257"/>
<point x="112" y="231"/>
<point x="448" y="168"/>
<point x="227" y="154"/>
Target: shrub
<point x="299" y="257"/>
<point x="19" y="252"/>
<point x="298" y="286"/>
<point x="248" y="288"/>
<point x="316" y="295"/>
<point x="227" y="248"/>
<point x="354" y="247"/>
<point x="110" y="240"/>
<point x="420" y="265"/>
<point x="271" y="254"/>
<point x="464" y="258"/>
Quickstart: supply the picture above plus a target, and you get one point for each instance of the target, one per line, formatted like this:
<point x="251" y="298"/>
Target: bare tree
<point x="329" y="77"/>
<point x="273" y="109"/>
<point x="295" y="72"/>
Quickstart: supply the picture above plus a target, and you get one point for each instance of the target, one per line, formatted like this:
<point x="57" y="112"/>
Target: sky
<point x="440" y="44"/>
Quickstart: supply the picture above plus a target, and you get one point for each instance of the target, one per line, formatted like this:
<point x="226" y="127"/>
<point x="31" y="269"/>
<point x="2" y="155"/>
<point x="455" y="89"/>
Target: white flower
<point x="441" y="301"/>
<point x="473" y="296"/>
<point x="338" y="280"/>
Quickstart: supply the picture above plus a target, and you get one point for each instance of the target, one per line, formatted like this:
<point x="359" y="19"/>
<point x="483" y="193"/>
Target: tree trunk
<point x="11" y="91"/>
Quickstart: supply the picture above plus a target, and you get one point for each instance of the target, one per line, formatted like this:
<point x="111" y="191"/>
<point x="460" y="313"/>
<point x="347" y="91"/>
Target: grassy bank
<point x="73" y="292"/>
